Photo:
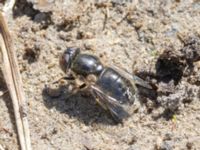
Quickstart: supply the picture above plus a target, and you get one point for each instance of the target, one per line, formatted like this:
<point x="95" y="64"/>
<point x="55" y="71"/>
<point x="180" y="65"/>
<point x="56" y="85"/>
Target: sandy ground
<point x="132" y="35"/>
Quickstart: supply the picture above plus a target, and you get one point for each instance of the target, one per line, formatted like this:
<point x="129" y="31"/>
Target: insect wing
<point x="132" y="78"/>
<point x="116" y="109"/>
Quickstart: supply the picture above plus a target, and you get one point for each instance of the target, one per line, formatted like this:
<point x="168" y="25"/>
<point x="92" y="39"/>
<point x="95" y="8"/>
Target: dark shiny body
<point x="85" y="64"/>
<point x="115" y="85"/>
<point x="114" y="89"/>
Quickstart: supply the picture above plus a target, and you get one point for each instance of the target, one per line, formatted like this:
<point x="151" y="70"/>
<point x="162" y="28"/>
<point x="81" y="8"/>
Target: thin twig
<point x="13" y="80"/>
<point x="107" y="15"/>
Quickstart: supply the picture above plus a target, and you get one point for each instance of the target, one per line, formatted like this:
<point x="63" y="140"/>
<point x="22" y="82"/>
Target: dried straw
<point x="13" y="80"/>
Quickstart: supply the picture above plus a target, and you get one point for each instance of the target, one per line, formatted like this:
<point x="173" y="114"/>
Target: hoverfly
<point x="113" y="88"/>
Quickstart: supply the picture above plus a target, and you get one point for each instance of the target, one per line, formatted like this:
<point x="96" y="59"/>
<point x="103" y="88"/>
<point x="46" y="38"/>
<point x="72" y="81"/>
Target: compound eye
<point x="68" y="57"/>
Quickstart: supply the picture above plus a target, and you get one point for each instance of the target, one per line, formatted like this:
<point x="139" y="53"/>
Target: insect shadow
<point x="81" y="106"/>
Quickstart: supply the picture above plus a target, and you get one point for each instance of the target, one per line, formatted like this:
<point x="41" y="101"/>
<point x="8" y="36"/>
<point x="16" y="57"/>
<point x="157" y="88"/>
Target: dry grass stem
<point x="13" y="80"/>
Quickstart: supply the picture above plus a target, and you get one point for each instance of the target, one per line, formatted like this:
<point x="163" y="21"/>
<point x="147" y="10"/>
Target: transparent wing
<point x="132" y="78"/>
<point x="109" y="103"/>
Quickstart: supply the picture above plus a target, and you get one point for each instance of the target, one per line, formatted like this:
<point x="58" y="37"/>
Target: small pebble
<point x="189" y="145"/>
